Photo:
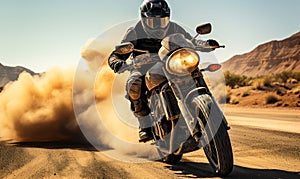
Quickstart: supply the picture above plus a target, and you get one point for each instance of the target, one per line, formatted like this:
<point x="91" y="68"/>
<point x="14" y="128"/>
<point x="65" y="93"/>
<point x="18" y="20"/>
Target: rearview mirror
<point x="124" y="48"/>
<point x="204" y="29"/>
<point x="213" y="67"/>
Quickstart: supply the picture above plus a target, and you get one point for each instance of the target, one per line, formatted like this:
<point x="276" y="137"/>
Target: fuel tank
<point x="155" y="76"/>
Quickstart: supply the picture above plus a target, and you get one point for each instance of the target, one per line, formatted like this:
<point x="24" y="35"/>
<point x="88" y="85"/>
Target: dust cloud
<point x="39" y="108"/>
<point x="70" y="105"/>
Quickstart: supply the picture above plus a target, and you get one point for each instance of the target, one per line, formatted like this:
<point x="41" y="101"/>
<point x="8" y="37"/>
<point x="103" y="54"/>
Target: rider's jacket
<point x="138" y="37"/>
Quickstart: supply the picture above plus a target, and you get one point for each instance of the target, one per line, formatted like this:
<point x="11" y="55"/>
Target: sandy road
<point x="266" y="144"/>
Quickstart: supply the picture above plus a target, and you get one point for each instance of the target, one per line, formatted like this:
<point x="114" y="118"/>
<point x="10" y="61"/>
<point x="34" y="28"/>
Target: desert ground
<point x="265" y="145"/>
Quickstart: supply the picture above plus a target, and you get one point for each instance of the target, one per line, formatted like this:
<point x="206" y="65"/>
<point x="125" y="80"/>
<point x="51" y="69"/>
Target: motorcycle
<point x="185" y="115"/>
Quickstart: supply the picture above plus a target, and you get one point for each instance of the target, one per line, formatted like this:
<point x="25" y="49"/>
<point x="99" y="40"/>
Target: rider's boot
<point x="145" y="132"/>
<point x="141" y="111"/>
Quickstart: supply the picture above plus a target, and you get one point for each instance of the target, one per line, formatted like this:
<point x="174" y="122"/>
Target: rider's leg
<point x="136" y="91"/>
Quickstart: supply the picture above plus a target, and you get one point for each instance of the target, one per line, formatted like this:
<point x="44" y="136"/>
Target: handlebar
<point x="133" y="65"/>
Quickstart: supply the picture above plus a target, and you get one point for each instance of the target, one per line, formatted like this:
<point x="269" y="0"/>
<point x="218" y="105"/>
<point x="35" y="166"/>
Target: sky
<point x="39" y="34"/>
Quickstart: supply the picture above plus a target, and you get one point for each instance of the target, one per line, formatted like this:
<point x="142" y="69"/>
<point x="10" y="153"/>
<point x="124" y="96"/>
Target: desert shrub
<point x="292" y="81"/>
<point x="296" y="76"/>
<point x="234" y="100"/>
<point x="232" y="79"/>
<point x="262" y="81"/>
<point x="245" y="94"/>
<point x="257" y="84"/>
<point x="296" y="91"/>
<point x="271" y="99"/>
<point x="267" y="81"/>
<point x="279" y="92"/>
<point x="284" y="76"/>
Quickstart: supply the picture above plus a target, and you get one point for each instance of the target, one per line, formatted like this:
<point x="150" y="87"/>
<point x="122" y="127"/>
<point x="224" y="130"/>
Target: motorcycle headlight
<point x="183" y="62"/>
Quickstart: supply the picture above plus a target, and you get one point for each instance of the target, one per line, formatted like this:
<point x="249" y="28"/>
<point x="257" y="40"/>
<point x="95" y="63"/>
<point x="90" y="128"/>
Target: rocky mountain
<point x="267" y="59"/>
<point x="8" y="74"/>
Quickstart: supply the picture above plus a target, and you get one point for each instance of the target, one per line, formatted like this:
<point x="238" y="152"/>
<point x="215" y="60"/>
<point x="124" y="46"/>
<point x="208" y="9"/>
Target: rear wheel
<point x="215" y="138"/>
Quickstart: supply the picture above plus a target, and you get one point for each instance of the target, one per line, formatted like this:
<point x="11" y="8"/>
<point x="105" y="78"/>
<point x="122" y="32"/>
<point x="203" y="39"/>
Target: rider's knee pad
<point x="134" y="88"/>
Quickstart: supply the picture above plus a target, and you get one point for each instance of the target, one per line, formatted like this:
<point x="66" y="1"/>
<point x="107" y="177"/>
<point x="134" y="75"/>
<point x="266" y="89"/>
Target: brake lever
<point x="209" y="47"/>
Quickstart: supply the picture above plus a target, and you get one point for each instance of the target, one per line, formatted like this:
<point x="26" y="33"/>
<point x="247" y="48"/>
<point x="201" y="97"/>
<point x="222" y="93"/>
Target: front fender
<point x="195" y="92"/>
<point x="202" y="90"/>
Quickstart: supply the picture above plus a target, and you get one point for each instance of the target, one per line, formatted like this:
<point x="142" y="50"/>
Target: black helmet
<point x="155" y="16"/>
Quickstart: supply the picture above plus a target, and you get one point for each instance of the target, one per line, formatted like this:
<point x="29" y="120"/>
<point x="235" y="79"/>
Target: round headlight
<point x="183" y="62"/>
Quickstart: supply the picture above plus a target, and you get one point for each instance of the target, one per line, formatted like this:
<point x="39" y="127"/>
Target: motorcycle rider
<point x="147" y="34"/>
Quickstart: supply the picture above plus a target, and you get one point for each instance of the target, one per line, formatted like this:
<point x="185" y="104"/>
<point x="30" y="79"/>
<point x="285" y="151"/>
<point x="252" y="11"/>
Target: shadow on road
<point x="203" y="170"/>
<point x="55" y="145"/>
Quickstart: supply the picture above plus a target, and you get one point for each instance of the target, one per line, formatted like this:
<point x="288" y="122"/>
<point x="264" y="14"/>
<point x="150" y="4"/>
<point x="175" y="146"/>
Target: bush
<point x="271" y="99"/>
<point x="233" y="79"/>
<point x="279" y="92"/>
<point x="259" y="82"/>
<point x="245" y="94"/>
<point x="267" y="81"/>
<point x="234" y="100"/>
<point x="284" y="76"/>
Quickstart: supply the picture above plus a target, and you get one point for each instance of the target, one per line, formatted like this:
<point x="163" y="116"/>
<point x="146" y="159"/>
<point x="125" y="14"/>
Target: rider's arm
<point x="115" y="61"/>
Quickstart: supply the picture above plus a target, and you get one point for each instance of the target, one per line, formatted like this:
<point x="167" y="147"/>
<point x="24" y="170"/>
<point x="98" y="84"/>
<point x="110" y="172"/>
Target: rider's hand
<point x="207" y="45"/>
<point x="118" y="66"/>
<point x="212" y="43"/>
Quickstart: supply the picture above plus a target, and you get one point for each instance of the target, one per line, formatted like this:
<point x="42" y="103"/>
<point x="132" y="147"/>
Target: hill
<point x="267" y="59"/>
<point x="8" y="74"/>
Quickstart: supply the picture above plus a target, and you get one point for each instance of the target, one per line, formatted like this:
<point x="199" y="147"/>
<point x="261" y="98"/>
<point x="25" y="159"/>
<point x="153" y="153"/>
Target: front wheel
<point x="215" y="138"/>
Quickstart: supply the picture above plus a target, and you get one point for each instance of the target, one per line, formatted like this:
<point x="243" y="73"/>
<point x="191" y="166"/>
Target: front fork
<point x="198" y="77"/>
<point x="184" y="99"/>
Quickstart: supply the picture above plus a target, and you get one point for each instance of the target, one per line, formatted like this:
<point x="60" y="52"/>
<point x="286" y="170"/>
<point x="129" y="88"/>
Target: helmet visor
<point x="156" y="22"/>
